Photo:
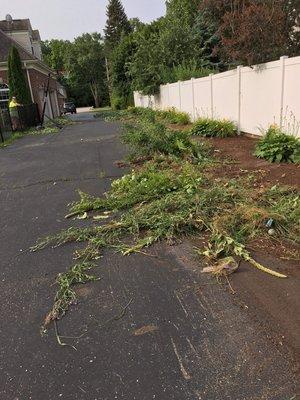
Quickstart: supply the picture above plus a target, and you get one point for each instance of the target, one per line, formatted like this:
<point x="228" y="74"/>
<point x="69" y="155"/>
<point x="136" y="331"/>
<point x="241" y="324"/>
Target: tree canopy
<point x="55" y="53"/>
<point x="254" y="31"/>
<point x="193" y="39"/>
<point x="86" y="66"/>
<point x="81" y="67"/>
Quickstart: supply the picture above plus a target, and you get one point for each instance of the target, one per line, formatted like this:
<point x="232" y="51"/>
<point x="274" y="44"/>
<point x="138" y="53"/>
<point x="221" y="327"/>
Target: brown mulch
<point x="239" y="150"/>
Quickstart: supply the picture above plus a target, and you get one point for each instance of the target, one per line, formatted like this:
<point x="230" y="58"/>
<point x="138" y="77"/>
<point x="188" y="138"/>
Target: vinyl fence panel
<point x="225" y="95"/>
<point x="260" y="97"/>
<point x="203" y="100"/>
<point x="254" y="97"/>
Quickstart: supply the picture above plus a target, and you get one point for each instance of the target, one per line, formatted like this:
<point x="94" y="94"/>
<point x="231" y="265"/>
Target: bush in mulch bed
<point x="277" y="146"/>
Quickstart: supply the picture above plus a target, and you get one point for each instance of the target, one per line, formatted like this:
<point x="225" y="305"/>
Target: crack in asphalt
<point x="58" y="180"/>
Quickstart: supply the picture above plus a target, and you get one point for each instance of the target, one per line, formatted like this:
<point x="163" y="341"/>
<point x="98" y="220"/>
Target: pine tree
<point x="16" y="78"/>
<point x="117" y="24"/>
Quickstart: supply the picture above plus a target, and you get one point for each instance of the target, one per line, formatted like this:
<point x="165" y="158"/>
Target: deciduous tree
<point x="86" y="66"/>
<point x="148" y="61"/>
<point x="55" y="53"/>
<point x="252" y="31"/>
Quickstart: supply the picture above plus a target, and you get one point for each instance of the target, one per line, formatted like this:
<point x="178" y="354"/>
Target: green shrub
<point x="214" y="128"/>
<point x="141" y="112"/>
<point x="277" y="146"/>
<point x="173" y="116"/>
<point x="118" y="102"/>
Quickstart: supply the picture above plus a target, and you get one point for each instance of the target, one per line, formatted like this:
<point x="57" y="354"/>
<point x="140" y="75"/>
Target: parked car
<point x="69" y="107"/>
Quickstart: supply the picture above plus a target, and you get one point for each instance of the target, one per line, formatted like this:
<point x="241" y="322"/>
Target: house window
<point x="4" y="96"/>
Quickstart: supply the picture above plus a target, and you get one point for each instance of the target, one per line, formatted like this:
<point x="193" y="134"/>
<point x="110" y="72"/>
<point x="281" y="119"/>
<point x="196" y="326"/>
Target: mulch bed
<point x="240" y="151"/>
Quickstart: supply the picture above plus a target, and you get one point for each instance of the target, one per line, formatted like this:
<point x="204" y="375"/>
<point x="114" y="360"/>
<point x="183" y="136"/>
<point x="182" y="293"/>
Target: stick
<point x="59" y="337"/>
<point x="73" y="214"/>
<point x="229" y="284"/>
<point x="117" y="317"/>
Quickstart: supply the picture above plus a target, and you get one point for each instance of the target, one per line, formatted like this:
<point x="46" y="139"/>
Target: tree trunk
<point x="109" y="84"/>
<point x="95" y="93"/>
<point x="97" y="101"/>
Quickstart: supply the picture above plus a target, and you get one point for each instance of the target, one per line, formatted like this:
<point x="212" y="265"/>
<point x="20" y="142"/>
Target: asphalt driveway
<point x="182" y="336"/>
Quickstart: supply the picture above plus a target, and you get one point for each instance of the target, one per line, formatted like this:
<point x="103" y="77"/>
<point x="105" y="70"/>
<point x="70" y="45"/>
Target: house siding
<point x="23" y="38"/>
<point x="38" y="84"/>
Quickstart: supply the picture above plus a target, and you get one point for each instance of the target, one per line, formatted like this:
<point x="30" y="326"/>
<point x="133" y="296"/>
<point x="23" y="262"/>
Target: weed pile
<point x="168" y="195"/>
<point x="146" y="138"/>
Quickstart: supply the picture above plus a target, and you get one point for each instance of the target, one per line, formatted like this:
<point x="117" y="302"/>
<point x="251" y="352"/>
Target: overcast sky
<point x="65" y="19"/>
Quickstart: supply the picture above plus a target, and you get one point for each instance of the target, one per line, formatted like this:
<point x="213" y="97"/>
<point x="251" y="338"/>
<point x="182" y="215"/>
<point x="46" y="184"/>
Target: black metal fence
<point x="29" y="116"/>
<point x="5" y="125"/>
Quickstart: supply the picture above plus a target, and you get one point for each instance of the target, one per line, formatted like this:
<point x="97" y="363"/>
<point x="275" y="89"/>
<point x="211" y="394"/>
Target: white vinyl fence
<point x="254" y="97"/>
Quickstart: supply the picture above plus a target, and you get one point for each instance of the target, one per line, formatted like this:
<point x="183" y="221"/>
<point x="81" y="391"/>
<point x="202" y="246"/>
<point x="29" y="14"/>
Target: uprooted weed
<point x="66" y="295"/>
<point x="169" y="196"/>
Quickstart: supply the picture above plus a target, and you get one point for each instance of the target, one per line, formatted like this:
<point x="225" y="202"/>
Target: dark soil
<point x="240" y="151"/>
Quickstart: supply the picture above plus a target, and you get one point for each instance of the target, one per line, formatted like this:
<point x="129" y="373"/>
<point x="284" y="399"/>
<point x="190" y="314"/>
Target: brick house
<point x="20" y="34"/>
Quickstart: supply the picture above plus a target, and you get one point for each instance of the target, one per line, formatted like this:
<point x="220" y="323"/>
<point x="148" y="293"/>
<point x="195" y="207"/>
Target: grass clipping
<point x="171" y="195"/>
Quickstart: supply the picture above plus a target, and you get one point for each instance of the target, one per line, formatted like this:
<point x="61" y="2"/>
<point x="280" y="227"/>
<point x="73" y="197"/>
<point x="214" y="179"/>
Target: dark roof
<point x="15" y="25"/>
<point x="6" y="43"/>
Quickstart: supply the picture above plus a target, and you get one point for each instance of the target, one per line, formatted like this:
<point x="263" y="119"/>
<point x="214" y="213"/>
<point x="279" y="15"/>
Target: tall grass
<point x="172" y="116"/>
<point x="208" y="127"/>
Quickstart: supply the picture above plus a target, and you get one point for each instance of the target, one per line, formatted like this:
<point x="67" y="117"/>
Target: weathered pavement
<point x="196" y="342"/>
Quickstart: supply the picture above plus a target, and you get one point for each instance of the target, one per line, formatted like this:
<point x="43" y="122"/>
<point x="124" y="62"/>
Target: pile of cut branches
<point x="172" y="194"/>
